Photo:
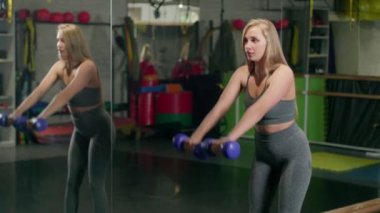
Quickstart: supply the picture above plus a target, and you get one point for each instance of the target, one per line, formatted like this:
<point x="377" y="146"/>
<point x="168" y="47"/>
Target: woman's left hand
<point x="216" y="144"/>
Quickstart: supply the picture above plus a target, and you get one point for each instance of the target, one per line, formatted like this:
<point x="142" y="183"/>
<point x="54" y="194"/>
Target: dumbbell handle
<point x="230" y="149"/>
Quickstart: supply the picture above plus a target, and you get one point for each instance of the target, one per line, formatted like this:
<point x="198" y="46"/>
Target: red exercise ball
<point x="84" y="17"/>
<point x="282" y="24"/>
<point x="56" y="17"/>
<point x="43" y="15"/>
<point x="238" y="24"/>
<point x="23" y="14"/>
<point x="68" y="17"/>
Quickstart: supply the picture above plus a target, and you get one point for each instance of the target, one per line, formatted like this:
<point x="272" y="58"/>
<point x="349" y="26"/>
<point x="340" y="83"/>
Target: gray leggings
<point x="281" y="169"/>
<point x="90" y="147"/>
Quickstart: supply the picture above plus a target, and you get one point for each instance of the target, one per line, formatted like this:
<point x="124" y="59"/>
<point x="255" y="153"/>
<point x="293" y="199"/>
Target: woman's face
<point x="61" y="46"/>
<point x="254" y="44"/>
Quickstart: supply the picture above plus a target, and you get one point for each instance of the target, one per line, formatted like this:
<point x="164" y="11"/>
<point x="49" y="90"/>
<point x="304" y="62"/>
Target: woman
<point x="283" y="159"/>
<point x="90" y="145"/>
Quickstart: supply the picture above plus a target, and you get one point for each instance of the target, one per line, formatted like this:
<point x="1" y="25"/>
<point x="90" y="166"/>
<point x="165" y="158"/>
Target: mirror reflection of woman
<point x="90" y="144"/>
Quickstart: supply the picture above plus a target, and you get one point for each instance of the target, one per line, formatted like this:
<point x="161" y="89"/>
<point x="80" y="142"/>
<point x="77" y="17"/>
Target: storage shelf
<point x="7" y="68"/>
<point x="76" y="23"/>
<point x="10" y="35"/>
<point x="7" y="143"/>
<point x="314" y="43"/>
<point x="5" y="98"/>
<point x="6" y="61"/>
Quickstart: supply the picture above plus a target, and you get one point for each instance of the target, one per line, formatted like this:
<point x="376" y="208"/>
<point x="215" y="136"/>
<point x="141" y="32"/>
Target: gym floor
<point x="150" y="176"/>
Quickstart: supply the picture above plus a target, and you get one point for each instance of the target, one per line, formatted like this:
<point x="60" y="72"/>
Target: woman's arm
<point x="281" y="82"/>
<point x="81" y="79"/>
<point x="226" y="99"/>
<point x="46" y="83"/>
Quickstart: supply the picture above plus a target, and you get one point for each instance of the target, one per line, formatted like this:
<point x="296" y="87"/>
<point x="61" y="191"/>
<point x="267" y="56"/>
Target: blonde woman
<point x="90" y="145"/>
<point x="282" y="161"/>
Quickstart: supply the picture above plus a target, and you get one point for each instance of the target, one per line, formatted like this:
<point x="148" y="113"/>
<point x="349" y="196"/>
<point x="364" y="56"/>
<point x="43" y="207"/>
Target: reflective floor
<point x="150" y="176"/>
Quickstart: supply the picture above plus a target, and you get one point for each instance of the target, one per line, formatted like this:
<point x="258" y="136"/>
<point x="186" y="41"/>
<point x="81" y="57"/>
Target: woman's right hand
<point x="192" y="142"/>
<point x="11" y="118"/>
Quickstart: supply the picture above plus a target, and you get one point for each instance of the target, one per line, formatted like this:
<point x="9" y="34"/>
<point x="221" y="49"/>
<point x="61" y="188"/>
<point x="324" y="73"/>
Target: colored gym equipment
<point x="179" y="142"/>
<point x="42" y="15"/>
<point x="238" y="24"/>
<point x="37" y="124"/>
<point x="205" y="149"/>
<point x="230" y="149"/>
<point x="56" y="17"/>
<point x="84" y="17"/>
<point x="23" y="14"/>
<point x="68" y="17"/>
<point x="21" y="123"/>
<point x="4" y="120"/>
<point x="176" y="107"/>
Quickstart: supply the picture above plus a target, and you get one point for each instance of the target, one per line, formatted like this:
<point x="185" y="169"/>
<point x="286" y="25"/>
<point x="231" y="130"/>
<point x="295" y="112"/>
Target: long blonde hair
<point x="76" y="45"/>
<point x="273" y="55"/>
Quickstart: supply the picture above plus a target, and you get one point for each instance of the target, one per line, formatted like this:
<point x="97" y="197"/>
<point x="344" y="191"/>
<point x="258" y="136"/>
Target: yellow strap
<point x="32" y="34"/>
<point x="129" y="46"/>
<point x="26" y="48"/>
<point x="9" y="12"/>
<point x="29" y="46"/>
<point x="295" y="42"/>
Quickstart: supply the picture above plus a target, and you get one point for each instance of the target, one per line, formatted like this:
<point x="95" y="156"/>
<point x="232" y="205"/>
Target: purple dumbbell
<point x="20" y="123"/>
<point x="200" y="151"/>
<point x="230" y="149"/>
<point x="38" y="124"/>
<point x="4" y="120"/>
<point x="179" y="141"/>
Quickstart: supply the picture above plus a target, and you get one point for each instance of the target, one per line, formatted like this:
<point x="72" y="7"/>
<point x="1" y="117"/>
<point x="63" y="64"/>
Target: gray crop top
<point x="88" y="96"/>
<point x="282" y="112"/>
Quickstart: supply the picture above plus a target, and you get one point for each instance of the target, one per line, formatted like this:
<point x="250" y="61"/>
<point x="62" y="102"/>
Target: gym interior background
<point x="188" y="49"/>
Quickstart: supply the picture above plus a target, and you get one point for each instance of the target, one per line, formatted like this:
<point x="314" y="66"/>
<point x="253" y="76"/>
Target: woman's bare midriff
<point x="84" y="109"/>
<point x="273" y="128"/>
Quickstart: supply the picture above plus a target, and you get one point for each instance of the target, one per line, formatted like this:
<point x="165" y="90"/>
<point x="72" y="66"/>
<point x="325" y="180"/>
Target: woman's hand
<point x="11" y="118"/>
<point x="191" y="143"/>
<point x="216" y="144"/>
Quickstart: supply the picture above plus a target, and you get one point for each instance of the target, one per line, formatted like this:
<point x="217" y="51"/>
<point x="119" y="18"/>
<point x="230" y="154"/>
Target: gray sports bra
<point x="88" y="96"/>
<point x="282" y="112"/>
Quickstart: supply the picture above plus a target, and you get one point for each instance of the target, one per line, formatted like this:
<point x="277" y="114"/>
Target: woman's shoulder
<point x="240" y="75"/>
<point x="58" y="67"/>
<point x="242" y="70"/>
<point x="59" y="64"/>
<point x="88" y="63"/>
<point x="88" y="66"/>
<point x="283" y="73"/>
<point x="283" y="69"/>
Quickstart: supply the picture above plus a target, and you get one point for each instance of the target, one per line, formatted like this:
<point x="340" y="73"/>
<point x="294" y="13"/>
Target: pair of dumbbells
<point x="206" y="148"/>
<point x="23" y="124"/>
